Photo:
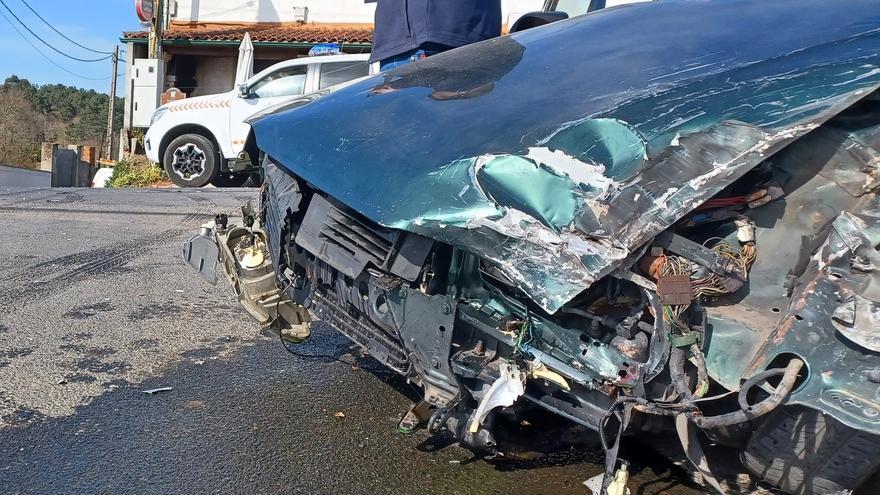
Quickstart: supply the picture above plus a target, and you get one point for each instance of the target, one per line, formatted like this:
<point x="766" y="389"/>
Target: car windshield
<point x="289" y="81"/>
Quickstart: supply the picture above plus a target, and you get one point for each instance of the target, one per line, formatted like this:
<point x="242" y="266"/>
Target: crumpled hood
<point x="557" y="152"/>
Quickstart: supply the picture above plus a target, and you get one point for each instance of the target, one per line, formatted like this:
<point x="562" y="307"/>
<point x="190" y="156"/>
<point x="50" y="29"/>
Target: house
<point x="201" y="40"/>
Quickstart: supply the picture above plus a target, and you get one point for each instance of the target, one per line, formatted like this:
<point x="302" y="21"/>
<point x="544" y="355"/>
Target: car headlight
<point x="158" y="114"/>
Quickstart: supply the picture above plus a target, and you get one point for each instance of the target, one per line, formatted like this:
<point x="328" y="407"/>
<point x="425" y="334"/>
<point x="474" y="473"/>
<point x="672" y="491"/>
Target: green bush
<point x="32" y="152"/>
<point x="136" y="171"/>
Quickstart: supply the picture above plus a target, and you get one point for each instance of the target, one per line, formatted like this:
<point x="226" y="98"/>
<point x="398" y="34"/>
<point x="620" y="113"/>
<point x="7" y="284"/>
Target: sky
<point x="96" y="24"/>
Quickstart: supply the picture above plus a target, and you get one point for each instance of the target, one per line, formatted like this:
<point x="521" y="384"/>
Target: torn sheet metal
<point x="558" y="151"/>
<point x="857" y="316"/>
<point x="858" y="319"/>
<point x="832" y="321"/>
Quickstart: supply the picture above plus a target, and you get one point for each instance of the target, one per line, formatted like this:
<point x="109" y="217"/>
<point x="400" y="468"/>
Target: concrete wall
<point x="215" y="75"/>
<point x="320" y="11"/>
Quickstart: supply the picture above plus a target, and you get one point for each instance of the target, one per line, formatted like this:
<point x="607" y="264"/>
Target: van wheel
<point x="805" y="452"/>
<point x="230" y="180"/>
<point x="191" y="161"/>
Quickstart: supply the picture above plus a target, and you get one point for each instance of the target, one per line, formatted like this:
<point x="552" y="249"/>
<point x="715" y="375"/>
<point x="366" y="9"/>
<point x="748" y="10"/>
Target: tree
<point x="57" y="113"/>
<point x="20" y="128"/>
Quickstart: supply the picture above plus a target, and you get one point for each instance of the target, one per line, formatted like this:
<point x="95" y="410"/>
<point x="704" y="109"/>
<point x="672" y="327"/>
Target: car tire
<point x="805" y="452"/>
<point x="230" y="180"/>
<point x="191" y="160"/>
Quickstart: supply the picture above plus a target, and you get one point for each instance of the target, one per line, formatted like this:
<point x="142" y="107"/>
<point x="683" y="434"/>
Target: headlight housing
<point x="158" y="114"/>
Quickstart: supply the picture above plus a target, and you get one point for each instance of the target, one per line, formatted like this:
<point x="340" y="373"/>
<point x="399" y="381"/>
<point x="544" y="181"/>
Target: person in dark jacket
<point x="469" y="77"/>
<point x="408" y="30"/>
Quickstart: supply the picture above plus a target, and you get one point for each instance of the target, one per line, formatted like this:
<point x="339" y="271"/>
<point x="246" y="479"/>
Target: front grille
<point x="344" y="240"/>
<point x="360" y="330"/>
<point x="357" y="238"/>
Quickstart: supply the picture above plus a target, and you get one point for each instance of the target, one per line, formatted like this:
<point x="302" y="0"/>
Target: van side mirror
<point x="243" y="90"/>
<point x="535" y="19"/>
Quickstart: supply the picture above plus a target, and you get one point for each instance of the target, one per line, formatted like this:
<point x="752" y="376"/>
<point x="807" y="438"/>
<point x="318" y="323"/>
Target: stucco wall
<point x="336" y="11"/>
<point x="343" y="11"/>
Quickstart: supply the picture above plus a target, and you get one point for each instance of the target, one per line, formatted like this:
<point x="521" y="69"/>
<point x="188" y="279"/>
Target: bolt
<point x="402" y="292"/>
<point x="435" y="362"/>
<point x="446" y="308"/>
<point x="870" y="412"/>
<point x="480" y="348"/>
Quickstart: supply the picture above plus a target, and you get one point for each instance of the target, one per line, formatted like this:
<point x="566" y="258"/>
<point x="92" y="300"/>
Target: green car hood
<point x="558" y="152"/>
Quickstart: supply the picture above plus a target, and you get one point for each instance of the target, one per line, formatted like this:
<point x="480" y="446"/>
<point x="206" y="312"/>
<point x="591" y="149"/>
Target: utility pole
<point x="158" y="24"/>
<point x="111" y="108"/>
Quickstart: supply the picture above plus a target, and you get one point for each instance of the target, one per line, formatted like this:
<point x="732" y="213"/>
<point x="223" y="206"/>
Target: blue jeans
<point x="404" y="58"/>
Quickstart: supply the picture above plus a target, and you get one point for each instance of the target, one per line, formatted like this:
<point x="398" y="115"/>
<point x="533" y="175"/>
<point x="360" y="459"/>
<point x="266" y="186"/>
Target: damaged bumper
<point x="242" y="254"/>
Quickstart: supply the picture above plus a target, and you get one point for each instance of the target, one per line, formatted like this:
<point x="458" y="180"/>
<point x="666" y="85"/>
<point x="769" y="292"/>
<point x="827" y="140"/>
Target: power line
<point x="60" y="33"/>
<point x="2" y="2"/>
<point x="25" y="38"/>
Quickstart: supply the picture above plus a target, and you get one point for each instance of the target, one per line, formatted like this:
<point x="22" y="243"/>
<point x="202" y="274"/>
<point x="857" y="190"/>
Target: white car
<point x="205" y="140"/>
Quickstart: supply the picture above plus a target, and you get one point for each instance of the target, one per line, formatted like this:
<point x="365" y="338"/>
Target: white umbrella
<point x="245" y="69"/>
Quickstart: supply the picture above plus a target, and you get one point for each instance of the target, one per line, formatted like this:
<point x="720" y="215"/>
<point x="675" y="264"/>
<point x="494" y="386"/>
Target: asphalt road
<point x="20" y="177"/>
<point x="98" y="308"/>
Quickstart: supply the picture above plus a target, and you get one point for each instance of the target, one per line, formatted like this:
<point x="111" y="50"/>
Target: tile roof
<point x="269" y="33"/>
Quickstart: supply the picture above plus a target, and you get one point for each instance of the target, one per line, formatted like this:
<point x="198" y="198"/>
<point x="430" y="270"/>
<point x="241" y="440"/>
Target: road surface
<point x="98" y="308"/>
<point x="22" y="177"/>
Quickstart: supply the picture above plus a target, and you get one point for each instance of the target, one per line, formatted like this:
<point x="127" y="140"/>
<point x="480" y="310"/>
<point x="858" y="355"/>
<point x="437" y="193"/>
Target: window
<point x="614" y="3"/>
<point x="289" y="81"/>
<point x="572" y="7"/>
<point x="340" y="72"/>
<point x="578" y="7"/>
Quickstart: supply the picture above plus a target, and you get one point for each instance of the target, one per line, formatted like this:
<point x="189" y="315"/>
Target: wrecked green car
<point x="660" y="216"/>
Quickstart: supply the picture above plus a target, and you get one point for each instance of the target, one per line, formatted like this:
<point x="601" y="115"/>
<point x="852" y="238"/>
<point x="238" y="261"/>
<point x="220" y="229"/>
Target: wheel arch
<point x="188" y="128"/>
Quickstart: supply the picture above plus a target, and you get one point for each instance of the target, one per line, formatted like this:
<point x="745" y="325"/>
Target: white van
<point x="205" y="140"/>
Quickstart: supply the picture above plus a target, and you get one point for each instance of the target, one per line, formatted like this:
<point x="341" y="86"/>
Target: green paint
<point x="606" y="141"/>
<point x="519" y="183"/>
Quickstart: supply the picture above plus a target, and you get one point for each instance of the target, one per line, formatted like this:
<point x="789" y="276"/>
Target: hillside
<point x="32" y="114"/>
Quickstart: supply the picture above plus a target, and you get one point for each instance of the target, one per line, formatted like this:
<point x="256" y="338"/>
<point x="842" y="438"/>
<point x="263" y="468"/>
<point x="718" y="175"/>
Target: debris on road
<point x="154" y="391"/>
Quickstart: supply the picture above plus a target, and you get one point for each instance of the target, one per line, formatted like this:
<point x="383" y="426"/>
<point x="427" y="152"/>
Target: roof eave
<point x="267" y="44"/>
